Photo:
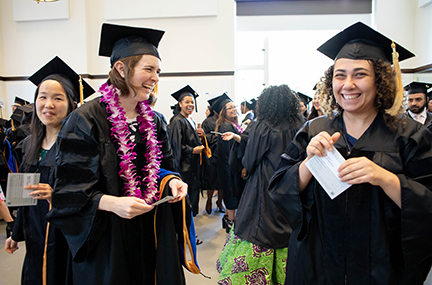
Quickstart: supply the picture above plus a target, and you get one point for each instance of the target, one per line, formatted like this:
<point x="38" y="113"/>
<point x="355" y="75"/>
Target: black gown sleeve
<point x="76" y="193"/>
<point x="416" y="196"/>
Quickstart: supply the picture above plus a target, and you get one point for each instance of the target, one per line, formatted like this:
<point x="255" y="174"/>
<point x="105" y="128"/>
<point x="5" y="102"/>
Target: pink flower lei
<point x="120" y="132"/>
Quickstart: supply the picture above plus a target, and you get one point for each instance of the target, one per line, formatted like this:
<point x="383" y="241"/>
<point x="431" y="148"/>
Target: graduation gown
<point x="105" y="248"/>
<point x="210" y="180"/>
<point x="230" y="180"/>
<point x="257" y="219"/>
<point x="184" y="138"/>
<point x="31" y="226"/>
<point x="362" y="236"/>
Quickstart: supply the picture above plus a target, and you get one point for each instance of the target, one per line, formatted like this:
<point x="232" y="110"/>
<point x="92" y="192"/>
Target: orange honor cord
<point x="44" y="265"/>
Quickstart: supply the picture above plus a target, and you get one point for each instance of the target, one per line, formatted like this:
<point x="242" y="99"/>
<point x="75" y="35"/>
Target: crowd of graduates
<point x="106" y="165"/>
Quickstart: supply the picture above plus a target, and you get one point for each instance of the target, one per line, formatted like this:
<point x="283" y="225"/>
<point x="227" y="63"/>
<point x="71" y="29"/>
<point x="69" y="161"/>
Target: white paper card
<point x="16" y="194"/>
<point x="324" y="169"/>
<point x="166" y="199"/>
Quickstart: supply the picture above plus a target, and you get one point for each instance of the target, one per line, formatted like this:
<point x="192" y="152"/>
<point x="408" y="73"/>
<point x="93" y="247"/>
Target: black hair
<point x="37" y="129"/>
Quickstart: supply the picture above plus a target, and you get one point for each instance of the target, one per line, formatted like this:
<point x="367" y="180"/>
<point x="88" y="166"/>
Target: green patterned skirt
<point x="242" y="262"/>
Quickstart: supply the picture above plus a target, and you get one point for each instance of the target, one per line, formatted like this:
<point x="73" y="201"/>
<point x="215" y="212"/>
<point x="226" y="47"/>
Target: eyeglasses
<point x="230" y="108"/>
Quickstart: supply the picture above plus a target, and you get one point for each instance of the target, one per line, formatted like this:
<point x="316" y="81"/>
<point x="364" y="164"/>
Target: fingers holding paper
<point x="320" y="143"/>
<point x="41" y="191"/>
<point x="178" y="190"/>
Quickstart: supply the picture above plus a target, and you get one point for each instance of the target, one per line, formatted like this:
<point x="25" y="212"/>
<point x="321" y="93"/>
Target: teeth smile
<point x="350" y="97"/>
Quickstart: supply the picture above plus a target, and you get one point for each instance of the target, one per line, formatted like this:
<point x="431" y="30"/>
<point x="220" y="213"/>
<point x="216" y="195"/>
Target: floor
<point x="208" y="228"/>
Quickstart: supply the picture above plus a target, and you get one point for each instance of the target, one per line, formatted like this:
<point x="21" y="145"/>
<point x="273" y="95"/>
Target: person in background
<point x="6" y="215"/>
<point x="167" y="161"/>
<point x="108" y="176"/>
<point x="316" y="109"/>
<point x="258" y="245"/>
<point x="232" y="184"/>
<point x="211" y="181"/>
<point x="429" y="105"/>
<point x="185" y="138"/>
<point x="56" y="96"/>
<point x="378" y="231"/>
<point x="418" y="102"/>
<point x="304" y="102"/>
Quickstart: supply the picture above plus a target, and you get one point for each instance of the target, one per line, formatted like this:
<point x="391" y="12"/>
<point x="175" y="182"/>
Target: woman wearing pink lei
<point x="108" y="176"/>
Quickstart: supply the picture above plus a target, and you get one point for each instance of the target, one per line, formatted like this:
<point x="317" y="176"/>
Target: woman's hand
<point x="11" y="246"/>
<point x="200" y="132"/>
<point x="198" y="149"/>
<point x="41" y="191"/>
<point x="178" y="190"/>
<point x="320" y="143"/>
<point x="359" y="170"/>
<point x="317" y="146"/>
<point x="230" y="135"/>
<point x="243" y="173"/>
<point x="124" y="207"/>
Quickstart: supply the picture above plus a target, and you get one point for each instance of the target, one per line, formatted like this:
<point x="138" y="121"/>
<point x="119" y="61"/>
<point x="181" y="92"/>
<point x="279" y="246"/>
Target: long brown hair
<point x="223" y="118"/>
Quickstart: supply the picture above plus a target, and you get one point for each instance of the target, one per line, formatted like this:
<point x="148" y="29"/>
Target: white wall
<point x="191" y="44"/>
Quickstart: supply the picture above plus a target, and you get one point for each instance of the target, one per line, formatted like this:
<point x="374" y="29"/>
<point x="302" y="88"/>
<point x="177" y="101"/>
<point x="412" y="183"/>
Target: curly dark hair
<point x="386" y="91"/>
<point x="278" y="104"/>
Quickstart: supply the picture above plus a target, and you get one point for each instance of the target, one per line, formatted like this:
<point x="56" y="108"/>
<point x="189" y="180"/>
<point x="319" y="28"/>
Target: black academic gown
<point x="31" y="226"/>
<point x="105" y="248"/>
<point x="184" y="138"/>
<point x="230" y="180"/>
<point x="257" y="219"/>
<point x="210" y="180"/>
<point x="167" y="161"/>
<point x="362" y="236"/>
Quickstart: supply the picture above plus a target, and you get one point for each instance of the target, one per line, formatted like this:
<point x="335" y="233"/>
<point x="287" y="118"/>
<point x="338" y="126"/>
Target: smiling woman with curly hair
<point x="378" y="230"/>
<point x="261" y="234"/>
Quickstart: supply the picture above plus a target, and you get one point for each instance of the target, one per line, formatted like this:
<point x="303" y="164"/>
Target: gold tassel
<point x="155" y="90"/>
<point x="81" y="90"/>
<point x="394" y="110"/>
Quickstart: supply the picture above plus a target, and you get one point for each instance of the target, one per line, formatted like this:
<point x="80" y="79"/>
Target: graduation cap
<point x="58" y="66"/>
<point x="250" y="105"/>
<point x="359" y="41"/>
<point x="417" y="87"/>
<point x="186" y="91"/>
<point x="21" y="101"/>
<point x="119" y="41"/>
<point x="304" y="98"/>
<point x="220" y="102"/>
<point x="212" y="101"/>
<point x="22" y="111"/>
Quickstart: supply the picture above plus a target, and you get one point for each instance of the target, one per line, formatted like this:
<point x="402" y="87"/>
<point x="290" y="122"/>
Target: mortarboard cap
<point x="360" y="41"/>
<point x="18" y="114"/>
<point x="120" y="42"/>
<point x="21" y="101"/>
<point x="220" y="102"/>
<point x="253" y="104"/>
<point x="417" y="87"/>
<point x="304" y="98"/>
<point x="58" y="66"/>
<point x="187" y="90"/>
<point x="213" y="100"/>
